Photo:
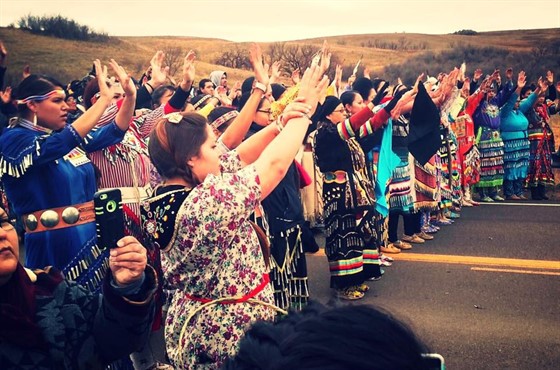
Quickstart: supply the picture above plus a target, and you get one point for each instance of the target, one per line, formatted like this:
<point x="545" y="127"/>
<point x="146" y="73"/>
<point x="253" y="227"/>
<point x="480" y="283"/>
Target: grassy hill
<point x="67" y="60"/>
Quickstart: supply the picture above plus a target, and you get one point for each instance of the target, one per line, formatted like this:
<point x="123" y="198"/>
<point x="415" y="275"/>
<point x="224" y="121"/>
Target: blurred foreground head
<point x="350" y="337"/>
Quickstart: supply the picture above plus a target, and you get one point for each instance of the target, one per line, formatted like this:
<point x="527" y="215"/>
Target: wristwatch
<point x="260" y="86"/>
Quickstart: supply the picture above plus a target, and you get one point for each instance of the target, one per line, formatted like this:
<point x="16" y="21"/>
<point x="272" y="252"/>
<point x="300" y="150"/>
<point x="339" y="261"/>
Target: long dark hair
<point x="34" y="85"/>
<point x="171" y="145"/>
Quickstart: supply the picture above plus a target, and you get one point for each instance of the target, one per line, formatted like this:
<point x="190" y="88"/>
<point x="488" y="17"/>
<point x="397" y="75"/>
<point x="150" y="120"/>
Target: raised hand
<point x="311" y="85"/>
<point x="124" y="78"/>
<point x="102" y="76"/>
<point x="543" y="83"/>
<point x="189" y="70"/>
<point x="128" y="261"/>
<point x="521" y="79"/>
<point x="418" y="81"/>
<point x="295" y="109"/>
<point x="477" y="74"/>
<point x="338" y="76"/>
<point x="295" y="76"/>
<point x="6" y="95"/>
<point x="259" y="67"/>
<point x="159" y="73"/>
<point x="325" y="58"/>
<point x="484" y="85"/>
<point x="351" y="79"/>
<point x="275" y="72"/>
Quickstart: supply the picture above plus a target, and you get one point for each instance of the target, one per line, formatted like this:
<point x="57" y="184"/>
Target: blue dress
<point x="40" y="170"/>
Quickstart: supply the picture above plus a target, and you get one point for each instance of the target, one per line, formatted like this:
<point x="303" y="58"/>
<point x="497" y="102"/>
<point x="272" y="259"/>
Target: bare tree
<point x="173" y="58"/>
<point x="234" y="58"/>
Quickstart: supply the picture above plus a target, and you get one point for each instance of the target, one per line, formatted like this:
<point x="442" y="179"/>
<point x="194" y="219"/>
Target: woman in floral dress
<point x="211" y="255"/>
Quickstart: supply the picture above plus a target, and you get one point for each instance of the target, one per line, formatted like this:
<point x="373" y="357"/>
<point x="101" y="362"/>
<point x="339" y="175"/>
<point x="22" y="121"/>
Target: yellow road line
<point x="471" y="260"/>
<point x="516" y="271"/>
<point x="480" y="261"/>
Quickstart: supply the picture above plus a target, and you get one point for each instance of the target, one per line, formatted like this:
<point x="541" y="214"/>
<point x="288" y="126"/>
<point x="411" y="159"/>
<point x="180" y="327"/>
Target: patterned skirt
<point x="541" y="144"/>
<point x="516" y="159"/>
<point x="491" y="149"/>
<point x="288" y="269"/>
<point x="401" y="193"/>
<point x="350" y="246"/>
<point x="426" y="186"/>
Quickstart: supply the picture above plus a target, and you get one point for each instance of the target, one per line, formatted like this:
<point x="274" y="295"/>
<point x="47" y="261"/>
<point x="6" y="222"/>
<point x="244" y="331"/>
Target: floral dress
<point x="212" y="252"/>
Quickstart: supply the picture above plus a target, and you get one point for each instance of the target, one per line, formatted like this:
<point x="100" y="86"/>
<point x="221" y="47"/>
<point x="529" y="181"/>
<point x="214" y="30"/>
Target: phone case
<point x="109" y="217"/>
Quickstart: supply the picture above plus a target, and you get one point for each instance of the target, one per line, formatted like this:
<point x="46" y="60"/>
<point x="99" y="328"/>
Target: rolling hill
<point x="68" y="60"/>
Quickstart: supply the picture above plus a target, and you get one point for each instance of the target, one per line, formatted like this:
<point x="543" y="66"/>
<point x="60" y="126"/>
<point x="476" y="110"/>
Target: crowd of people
<point x="222" y="187"/>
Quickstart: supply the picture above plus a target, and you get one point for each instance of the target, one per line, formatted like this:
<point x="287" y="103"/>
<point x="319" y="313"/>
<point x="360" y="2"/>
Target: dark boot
<point x="535" y="195"/>
<point x="542" y="191"/>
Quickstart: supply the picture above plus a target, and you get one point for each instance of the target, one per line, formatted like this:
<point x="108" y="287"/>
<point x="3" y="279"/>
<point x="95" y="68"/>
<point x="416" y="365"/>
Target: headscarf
<point x="329" y="105"/>
<point x="216" y="77"/>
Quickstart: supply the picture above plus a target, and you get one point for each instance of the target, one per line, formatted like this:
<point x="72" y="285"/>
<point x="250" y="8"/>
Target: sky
<point x="269" y="20"/>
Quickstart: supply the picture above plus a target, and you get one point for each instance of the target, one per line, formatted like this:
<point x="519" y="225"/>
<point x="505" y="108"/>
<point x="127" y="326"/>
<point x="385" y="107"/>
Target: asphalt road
<point x="479" y="313"/>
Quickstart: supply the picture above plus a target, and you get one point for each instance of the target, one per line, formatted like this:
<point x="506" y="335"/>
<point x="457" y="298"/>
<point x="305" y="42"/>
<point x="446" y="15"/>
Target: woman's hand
<point x="418" y="81"/>
<point x="124" y="79"/>
<point x="101" y="73"/>
<point x="275" y="72"/>
<point x="477" y="74"/>
<point x="189" y="71"/>
<point x="159" y="73"/>
<point x="128" y="261"/>
<point x="295" y="76"/>
<point x="521" y="79"/>
<point x="311" y="85"/>
<point x="6" y="95"/>
<point x="338" y="77"/>
<point x="295" y="109"/>
<point x="259" y="67"/>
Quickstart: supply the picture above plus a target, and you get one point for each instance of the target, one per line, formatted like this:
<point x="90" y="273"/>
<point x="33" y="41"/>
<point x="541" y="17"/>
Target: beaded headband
<point x="41" y="97"/>
<point x="224" y="118"/>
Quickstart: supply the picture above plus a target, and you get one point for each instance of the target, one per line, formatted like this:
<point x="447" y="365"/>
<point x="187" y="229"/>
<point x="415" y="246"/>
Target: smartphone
<point x="433" y="361"/>
<point x="109" y="217"/>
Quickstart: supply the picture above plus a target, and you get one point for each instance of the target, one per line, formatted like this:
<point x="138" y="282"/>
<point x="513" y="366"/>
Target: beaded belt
<point x="59" y="218"/>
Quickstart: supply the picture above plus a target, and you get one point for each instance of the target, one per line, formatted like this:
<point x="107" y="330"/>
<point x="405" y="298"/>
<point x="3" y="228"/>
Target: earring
<point x="34" y="119"/>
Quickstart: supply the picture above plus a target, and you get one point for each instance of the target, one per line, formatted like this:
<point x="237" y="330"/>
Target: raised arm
<point x="89" y="119"/>
<point x="236" y="132"/>
<point x="275" y="159"/>
<point x="126" y="110"/>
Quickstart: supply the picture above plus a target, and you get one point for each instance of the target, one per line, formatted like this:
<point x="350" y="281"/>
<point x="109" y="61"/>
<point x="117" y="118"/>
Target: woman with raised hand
<point x="199" y="218"/>
<point x="348" y="192"/>
<point x="49" y="179"/>
<point x="513" y="128"/>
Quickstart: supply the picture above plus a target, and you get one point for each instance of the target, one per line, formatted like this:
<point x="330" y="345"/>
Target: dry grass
<point x="68" y="60"/>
